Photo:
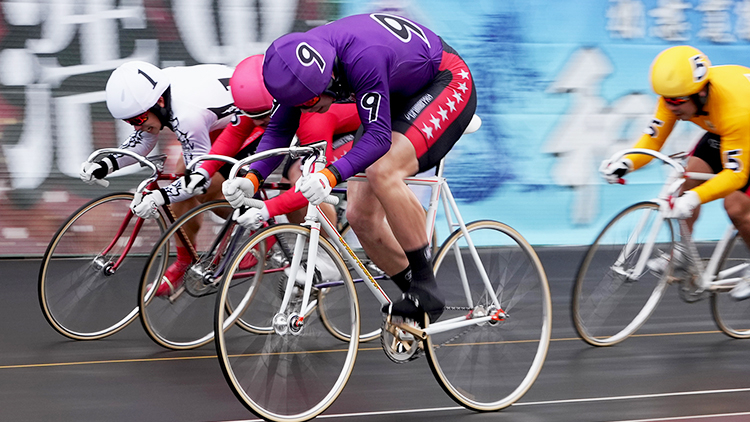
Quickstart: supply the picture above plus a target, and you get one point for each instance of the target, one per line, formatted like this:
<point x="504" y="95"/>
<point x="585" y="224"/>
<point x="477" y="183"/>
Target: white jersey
<point x="200" y="103"/>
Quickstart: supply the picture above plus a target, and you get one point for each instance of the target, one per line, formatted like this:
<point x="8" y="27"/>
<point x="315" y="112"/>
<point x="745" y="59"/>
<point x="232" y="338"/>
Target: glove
<point x="98" y="170"/>
<point x="613" y="172"/>
<point x="237" y="189"/>
<point x="316" y="187"/>
<point x="253" y="218"/>
<point x="148" y="206"/>
<point x="685" y="205"/>
<point x="197" y="182"/>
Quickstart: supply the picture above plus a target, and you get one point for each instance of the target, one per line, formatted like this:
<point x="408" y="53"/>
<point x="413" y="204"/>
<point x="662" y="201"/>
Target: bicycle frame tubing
<point x="315" y="218"/>
<point x="150" y="183"/>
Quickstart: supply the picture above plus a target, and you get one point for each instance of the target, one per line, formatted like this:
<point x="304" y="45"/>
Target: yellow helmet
<point x="679" y="71"/>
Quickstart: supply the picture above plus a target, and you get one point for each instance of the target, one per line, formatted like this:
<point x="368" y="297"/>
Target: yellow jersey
<point x="727" y="114"/>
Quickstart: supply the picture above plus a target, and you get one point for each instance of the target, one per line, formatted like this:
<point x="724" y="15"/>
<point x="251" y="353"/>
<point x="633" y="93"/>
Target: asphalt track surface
<point x="678" y="367"/>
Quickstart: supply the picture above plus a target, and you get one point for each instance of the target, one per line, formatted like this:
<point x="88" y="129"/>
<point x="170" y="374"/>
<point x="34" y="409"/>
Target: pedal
<point x="401" y="341"/>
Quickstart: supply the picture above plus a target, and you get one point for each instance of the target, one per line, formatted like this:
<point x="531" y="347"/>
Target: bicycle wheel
<point x="489" y="366"/>
<point x="86" y="284"/>
<point x="332" y="314"/>
<point x="184" y="320"/>
<point x="732" y="316"/>
<point x="610" y="300"/>
<point x="291" y="373"/>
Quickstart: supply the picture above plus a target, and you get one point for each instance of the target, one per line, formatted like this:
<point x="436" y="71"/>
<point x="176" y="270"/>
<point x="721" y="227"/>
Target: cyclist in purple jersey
<point x="414" y="95"/>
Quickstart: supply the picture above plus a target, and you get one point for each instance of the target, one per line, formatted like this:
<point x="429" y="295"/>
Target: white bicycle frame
<point x="315" y="219"/>
<point x="707" y="280"/>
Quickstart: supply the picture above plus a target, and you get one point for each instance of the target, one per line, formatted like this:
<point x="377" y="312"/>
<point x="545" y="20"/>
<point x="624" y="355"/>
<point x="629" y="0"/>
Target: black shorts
<point x="436" y="117"/>
<point x="708" y="149"/>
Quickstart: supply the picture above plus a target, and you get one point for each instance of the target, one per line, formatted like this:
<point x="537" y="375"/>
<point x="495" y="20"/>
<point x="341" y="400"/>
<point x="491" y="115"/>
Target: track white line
<point x="565" y="401"/>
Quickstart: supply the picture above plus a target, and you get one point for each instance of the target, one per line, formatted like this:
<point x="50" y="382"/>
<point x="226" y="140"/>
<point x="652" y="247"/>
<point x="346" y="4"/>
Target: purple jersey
<point x="377" y="55"/>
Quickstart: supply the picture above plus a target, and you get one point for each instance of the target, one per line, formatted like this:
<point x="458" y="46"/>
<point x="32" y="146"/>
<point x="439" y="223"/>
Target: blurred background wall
<point x="561" y="86"/>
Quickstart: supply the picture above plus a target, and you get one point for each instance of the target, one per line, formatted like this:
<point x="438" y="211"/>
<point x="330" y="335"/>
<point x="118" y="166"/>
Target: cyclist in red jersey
<point x="337" y="127"/>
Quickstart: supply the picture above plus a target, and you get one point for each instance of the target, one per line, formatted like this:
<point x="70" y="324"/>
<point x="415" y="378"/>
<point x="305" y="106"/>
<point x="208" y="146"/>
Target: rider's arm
<point x="315" y="127"/>
<point x="654" y="135"/>
<point x="735" y="148"/>
<point x="232" y="139"/>
<point x="278" y="134"/>
<point x="139" y="142"/>
<point x="373" y="104"/>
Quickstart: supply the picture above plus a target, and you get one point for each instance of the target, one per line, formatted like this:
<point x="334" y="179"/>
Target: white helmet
<point x="133" y="88"/>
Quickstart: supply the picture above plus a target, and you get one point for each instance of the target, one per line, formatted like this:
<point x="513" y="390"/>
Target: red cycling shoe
<point x="172" y="279"/>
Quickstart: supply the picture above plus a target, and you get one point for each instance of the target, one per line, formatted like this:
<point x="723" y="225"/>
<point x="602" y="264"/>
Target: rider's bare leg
<point x="367" y="216"/>
<point x="405" y="216"/>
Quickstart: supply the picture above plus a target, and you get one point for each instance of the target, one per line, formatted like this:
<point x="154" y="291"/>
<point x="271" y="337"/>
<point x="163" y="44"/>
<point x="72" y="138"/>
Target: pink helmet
<point x="248" y="90"/>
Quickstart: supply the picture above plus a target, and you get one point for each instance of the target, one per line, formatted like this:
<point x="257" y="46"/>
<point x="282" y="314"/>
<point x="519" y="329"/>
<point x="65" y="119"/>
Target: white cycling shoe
<point x="659" y="264"/>
<point x="742" y="290"/>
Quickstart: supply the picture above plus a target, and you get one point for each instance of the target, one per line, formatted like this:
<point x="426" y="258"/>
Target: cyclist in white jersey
<point x="194" y="102"/>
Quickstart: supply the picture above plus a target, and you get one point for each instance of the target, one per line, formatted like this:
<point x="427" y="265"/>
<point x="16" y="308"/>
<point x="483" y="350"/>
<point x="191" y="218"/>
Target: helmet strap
<point x="163" y="113"/>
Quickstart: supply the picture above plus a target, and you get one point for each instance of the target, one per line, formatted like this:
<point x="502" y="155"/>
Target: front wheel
<point x="296" y="369"/>
<point x="623" y="275"/>
<point x="488" y="366"/>
<point x="87" y="284"/>
<point x="733" y="316"/>
<point x="184" y="320"/>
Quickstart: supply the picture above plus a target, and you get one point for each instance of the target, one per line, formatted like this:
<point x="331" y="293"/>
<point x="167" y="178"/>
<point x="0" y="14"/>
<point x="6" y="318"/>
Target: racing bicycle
<point x="628" y="268"/>
<point x="486" y="350"/>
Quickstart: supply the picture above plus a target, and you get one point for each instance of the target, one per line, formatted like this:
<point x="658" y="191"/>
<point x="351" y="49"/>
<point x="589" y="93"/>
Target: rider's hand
<point x="612" y="172"/>
<point x="148" y="206"/>
<point x="316" y="187"/>
<point x="253" y="218"/>
<point x="90" y="172"/>
<point x="685" y="205"/>
<point x="197" y="182"/>
<point x="237" y="189"/>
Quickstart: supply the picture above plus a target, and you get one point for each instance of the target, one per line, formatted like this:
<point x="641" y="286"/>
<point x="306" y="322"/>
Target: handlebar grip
<point x="331" y="199"/>
<point x="102" y="182"/>
<point x="252" y="203"/>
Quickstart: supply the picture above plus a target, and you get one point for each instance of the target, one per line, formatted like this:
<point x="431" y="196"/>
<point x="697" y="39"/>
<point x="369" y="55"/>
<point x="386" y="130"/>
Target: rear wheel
<point x="733" y="316"/>
<point x="489" y="365"/>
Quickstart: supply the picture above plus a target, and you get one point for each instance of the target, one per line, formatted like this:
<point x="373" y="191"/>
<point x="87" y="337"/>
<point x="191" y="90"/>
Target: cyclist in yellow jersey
<point x="716" y="98"/>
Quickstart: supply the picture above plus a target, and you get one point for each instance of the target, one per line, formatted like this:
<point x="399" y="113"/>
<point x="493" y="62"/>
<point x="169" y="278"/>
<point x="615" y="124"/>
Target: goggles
<point x="310" y="103"/>
<point x="138" y="120"/>
<point x="316" y="99"/>
<point x="676" y="101"/>
<point x="256" y="115"/>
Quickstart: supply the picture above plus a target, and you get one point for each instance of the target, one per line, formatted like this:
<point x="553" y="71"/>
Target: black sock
<point x="420" y="262"/>
<point x="403" y="279"/>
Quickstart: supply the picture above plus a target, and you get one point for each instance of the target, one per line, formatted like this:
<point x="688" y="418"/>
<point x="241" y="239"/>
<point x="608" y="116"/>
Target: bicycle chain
<point x="462" y="333"/>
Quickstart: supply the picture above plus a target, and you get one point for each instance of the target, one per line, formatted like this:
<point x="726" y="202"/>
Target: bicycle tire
<point x="302" y="373"/>
<point x="489" y="366"/>
<point x="184" y="320"/>
<point x="610" y="304"/>
<point x="79" y="297"/>
<point x="732" y="316"/>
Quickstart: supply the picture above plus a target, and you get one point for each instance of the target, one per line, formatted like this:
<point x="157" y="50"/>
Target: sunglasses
<point x="257" y="115"/>
<point x="675" y="101"/>
<point x="310" y="103"/>
<point x="138" y="120"/>
<point x="316" y="99"/>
